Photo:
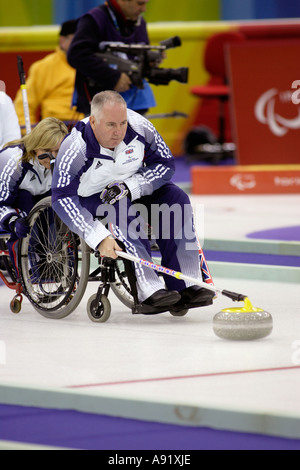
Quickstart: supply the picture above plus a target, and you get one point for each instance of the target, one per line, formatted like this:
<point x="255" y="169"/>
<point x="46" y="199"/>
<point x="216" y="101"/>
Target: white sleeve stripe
<point x="73" y="214"/>
<point x="8" y="170"/>
<point x="65" y="164"/>
<point x="158" y="172"/>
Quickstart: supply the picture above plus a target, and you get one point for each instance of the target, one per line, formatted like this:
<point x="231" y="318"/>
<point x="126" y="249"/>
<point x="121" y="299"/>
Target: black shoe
<point x="163" y="298"/>
<point x="196" y="295"/>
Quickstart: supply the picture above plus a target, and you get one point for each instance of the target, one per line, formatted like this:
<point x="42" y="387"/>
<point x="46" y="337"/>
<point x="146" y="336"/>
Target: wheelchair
<point x="54" y="267"/>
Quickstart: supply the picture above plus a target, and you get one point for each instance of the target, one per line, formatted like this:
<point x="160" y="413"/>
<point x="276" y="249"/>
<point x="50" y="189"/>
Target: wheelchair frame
<point x="53" y="265"/>
<point x="9" y="279"/>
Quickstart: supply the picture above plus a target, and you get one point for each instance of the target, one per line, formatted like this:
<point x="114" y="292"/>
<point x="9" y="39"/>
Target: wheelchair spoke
<point x="50" y="264"/>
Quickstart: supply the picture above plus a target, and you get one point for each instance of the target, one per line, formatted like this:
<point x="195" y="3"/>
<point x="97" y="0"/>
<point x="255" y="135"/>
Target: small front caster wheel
<point x="98" y="312"/>
<point x="16" y="305"/>
<point x="179" y="313"/>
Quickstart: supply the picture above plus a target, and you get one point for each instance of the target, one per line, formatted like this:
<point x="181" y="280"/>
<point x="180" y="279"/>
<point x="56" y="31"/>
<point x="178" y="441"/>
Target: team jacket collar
<point x="29" y="166"/>
<point x="93" y="149"/>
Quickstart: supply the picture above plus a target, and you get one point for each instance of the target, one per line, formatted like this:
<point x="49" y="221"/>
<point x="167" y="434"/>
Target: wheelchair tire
<point x="54" y="263"/>
<point x="98" y="312"/>
<point x="15" y="305"/>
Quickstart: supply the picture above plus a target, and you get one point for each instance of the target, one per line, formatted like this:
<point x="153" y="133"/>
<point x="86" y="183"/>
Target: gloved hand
<point x="19" y="225"/>
<point x="114" y="192"/>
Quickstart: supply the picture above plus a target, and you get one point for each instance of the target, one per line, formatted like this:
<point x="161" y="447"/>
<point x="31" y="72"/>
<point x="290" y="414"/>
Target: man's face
<point x="65" y="42"/>
<point x="111" y="126"/>
<point x="132" y="9"/>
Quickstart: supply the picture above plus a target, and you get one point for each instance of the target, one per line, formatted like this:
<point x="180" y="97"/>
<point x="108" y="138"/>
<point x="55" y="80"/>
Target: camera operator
<point x="114" y="21"/>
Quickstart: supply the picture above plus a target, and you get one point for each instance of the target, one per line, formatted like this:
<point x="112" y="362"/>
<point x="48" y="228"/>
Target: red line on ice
<point x="179" y="377"/>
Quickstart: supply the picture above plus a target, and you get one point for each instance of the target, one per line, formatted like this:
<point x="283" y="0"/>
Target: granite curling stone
<point x="243" y="323"/>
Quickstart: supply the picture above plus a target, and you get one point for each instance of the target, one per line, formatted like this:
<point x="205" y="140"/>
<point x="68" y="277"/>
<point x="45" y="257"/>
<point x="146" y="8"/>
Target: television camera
<point x="141" y="61"/>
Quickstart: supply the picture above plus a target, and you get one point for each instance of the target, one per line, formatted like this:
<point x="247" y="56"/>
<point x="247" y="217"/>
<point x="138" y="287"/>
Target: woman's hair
<point x="45" y="135"/>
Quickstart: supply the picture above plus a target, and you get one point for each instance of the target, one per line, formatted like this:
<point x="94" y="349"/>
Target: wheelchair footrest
<point x="148" y="310"/>
<point x="187" y="306"/>
<point x="142" y="309"/>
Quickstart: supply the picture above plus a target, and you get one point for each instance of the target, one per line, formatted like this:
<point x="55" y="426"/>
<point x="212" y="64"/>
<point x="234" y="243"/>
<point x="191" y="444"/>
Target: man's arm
<point x="159" y="165"/>
<point x="68" y="169"/>
<point x="81" y="55"/>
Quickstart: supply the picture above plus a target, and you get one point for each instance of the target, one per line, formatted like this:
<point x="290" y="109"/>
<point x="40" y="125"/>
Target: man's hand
<point x="123" y="83"/>
<point x="107" y="248"/>
<point x="114" y="192"/>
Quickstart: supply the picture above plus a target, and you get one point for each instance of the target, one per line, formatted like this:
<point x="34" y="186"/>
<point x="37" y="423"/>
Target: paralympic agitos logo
<point x="296" y="94"/>
<point x="265" y="110"/>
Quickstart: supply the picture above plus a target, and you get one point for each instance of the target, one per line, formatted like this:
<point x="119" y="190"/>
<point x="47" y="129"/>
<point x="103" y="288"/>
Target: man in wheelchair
<point x="112" y="177"/>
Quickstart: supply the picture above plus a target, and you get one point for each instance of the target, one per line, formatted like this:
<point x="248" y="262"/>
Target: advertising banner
<point x="244" y="179"/>
<point x="266" y="112"/>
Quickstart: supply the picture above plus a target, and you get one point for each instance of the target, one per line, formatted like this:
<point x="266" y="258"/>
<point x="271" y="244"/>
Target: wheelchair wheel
<point x="54" y="263"/>
<point x="98" y="312"/>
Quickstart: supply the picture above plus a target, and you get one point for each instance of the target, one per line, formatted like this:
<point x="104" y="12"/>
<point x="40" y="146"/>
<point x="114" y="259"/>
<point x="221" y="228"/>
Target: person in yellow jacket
<point x="50" y="84"/>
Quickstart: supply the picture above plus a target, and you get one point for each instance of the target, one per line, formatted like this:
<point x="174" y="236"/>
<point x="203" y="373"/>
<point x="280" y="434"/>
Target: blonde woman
<point x="25" y="176"/>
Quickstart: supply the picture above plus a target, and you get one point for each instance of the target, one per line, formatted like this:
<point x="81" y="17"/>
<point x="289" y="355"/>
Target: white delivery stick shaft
<point x="178" y="275"/>
<point x="26" y="109"/>
<point x="170" y="272"/>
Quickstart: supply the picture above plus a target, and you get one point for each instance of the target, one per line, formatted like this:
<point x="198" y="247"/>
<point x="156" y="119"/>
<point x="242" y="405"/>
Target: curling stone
<point x="243" y="323"/>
